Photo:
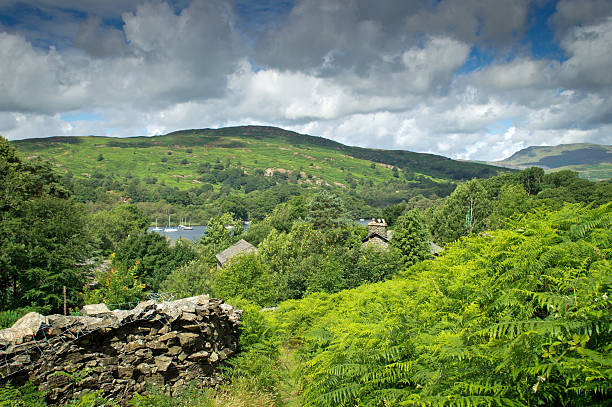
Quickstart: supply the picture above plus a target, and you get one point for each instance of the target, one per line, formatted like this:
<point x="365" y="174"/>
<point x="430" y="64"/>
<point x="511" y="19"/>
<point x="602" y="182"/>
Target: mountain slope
<point x="177" y="157"/>
<point x="591" y="161"/>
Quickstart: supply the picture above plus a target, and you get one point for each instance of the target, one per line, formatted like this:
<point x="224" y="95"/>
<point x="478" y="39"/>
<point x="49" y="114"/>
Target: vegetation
<point x="249" y="170"/>
<point x="43" y="239"/>
<point x="515" y="311"/>
<point x="517" y="317"/>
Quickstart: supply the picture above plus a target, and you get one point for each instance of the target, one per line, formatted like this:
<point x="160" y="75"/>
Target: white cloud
<point x="385" y="75"/>
<point x="590" y="56"/>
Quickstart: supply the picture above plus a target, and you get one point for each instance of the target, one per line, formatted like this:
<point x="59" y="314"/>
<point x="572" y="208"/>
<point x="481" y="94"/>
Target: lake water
<point x="198" y="231"/>
<point x="192" y="235"/>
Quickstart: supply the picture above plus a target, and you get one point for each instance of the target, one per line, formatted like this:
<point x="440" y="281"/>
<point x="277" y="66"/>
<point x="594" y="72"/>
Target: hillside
<point x="591" y="161"/>
<point x="174" y="158"/>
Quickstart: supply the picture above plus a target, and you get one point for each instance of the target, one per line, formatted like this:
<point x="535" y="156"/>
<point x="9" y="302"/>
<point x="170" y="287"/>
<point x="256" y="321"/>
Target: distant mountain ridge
<point x="591" y="161"/>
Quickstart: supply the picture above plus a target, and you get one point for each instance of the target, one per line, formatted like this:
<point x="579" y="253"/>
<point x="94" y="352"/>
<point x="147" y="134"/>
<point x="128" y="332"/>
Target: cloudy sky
<point x="467" y="79"/>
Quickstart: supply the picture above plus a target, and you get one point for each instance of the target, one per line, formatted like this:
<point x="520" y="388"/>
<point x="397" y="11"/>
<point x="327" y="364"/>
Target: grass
<point x="596" y="172"/>
<point x="81" y="158"/>
<point x="174" y="158"/>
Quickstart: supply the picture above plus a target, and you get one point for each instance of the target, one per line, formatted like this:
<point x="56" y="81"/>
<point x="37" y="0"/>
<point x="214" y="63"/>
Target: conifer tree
<point x="411" y="237"/>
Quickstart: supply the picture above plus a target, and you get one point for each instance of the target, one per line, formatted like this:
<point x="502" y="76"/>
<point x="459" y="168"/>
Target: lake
<point x="198" y="231"/>
<point x="192" y="235"/>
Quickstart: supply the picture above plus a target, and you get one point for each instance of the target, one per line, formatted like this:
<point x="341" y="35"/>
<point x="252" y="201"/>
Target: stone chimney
<point x="378" y="226"/>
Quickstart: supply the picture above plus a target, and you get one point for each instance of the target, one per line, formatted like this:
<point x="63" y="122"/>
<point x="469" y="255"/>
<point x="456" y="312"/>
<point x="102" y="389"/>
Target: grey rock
<point x="93" y="310"/>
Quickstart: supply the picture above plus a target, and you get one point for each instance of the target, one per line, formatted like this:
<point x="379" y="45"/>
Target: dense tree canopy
<point x="411" y="238"/>
<point x="43" y="237"/>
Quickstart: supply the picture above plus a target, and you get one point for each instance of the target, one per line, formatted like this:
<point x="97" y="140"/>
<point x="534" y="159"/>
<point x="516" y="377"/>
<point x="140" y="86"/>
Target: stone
<point x="156" y="345"/>
<point x="24" y="329"/>
<point x="22" y="359"/>
<point x="174" y="350"/>
<point x="188" y="339"/>
<point x="134" y="345"/>
<point x="108" y="361"/>
<point x="125" y="372"/>
<point x="74" y="357"/>
<point x="202" y="355"/>
<point x="144" y="368"/>
<point x="155" y="379"/>
<point x="122" y="351"/>
<point x="93" y="310"/>
<point x="163" y="362"/>
<point x="168" y="336"/>
<point x="144" y="353"/>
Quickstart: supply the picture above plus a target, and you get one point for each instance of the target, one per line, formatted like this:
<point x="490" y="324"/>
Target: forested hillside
<point x="245" y="170"/>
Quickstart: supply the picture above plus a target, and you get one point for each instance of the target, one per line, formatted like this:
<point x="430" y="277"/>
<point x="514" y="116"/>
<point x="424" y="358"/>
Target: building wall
<point x="377" y="242"/>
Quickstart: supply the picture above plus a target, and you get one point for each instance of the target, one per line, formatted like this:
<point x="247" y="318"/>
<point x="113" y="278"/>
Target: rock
<point x="22" y="359"/>
<point x="93" y="310"/>
<point x="156" y="345"/>
<point x="125" y="372"/>
<point x="155" y="379"/>
<point x="168" y="336"/>
<point x="135" y="345"/>
<point x="163" y="363"/>
<point x="202" y="355"/>
<point x="188" y="339"/>
<point x="23" y="330"/>
<point x="144" y="368"/>
<point x="121" y="351"/>
<point x="174" y="350"/>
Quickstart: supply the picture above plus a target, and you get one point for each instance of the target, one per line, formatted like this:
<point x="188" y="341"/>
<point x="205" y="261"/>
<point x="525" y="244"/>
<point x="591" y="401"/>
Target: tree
<point x="393" y="212"/>
<point x="531" y="178"/>
<point x="43" y="240"/>
<point x="326" y="211"/>
<point x="246" y="276"/>
<point x="221" y="232"/>
<point x="118" y="287"/>
<point x="111" y="227"/>
<point x="156" y="258"/>
<point x="411" y="238"/>
<point x="512" y="199"/>
<point x="463" y="213"/>
<point x="193" y="278"/>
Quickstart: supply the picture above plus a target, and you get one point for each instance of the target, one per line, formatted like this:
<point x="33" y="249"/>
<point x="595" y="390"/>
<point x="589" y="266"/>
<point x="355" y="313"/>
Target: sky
<point x="467" y="79"/>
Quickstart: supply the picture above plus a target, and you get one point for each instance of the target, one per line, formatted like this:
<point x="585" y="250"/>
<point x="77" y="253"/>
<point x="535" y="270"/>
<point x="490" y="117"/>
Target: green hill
<point x="591" y="161"/>
<point x="175" y="157"/>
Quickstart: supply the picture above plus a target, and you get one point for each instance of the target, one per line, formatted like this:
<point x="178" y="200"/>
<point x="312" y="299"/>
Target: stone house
<point x="242" y="246"/>
<point x="377" y="234"/>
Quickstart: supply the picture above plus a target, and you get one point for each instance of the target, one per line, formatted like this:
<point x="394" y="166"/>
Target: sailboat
<point x="188" y="227"/>
<point x="157" y="228"/>
<point x="170" y="228"/>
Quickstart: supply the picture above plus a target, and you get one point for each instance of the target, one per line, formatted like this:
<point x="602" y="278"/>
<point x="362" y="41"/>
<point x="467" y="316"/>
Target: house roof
<point x="373" y="235"/>
<point x="241" y="247"/>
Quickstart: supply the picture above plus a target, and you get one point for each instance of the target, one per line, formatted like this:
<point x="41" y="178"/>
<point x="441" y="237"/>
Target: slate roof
<point x="365" y="239"/>
<point x="241" y="247"/>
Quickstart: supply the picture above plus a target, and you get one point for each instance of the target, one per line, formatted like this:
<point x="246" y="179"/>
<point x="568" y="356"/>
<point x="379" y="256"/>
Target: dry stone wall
<point x="120" y="352"/>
